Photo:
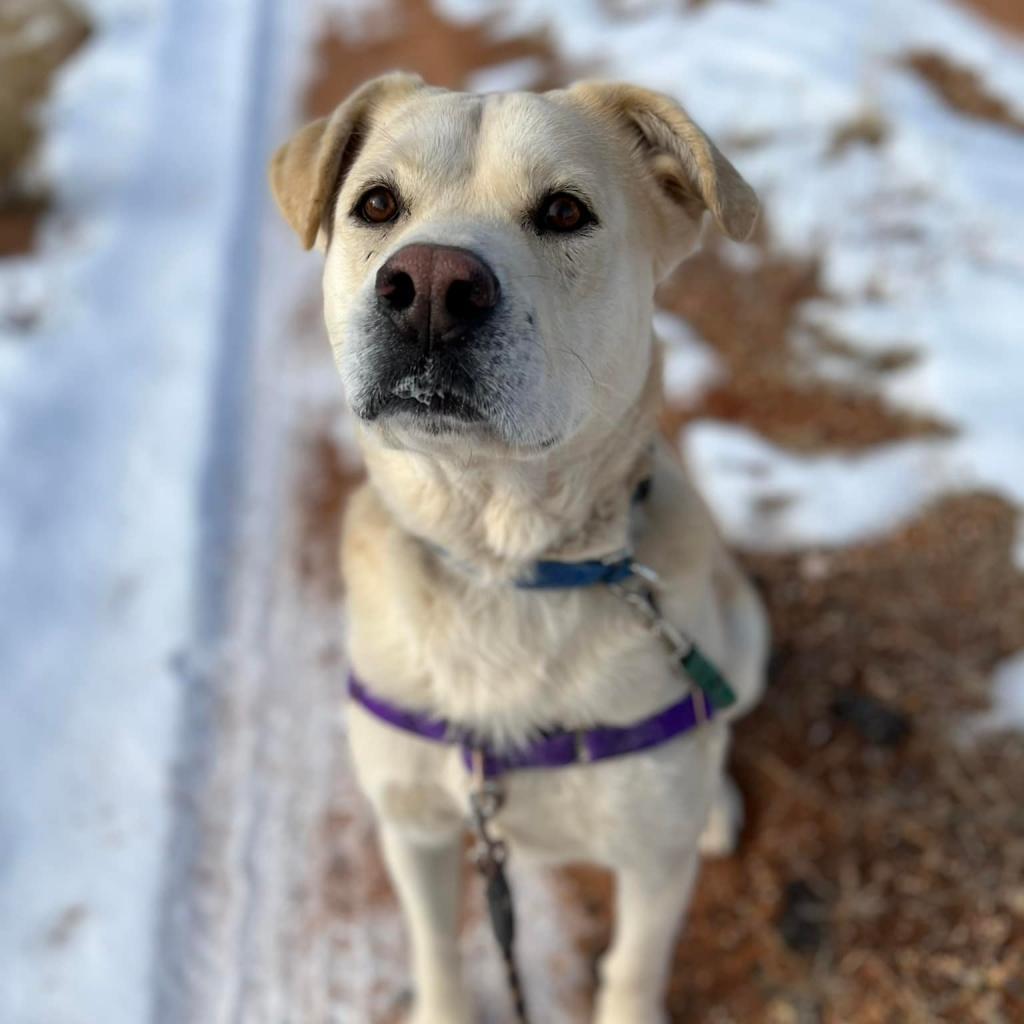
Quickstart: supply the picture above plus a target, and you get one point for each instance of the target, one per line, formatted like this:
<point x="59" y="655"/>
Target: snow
<point x="1007" y="710"/>
<point x="511" y="76"/>
<point x="127" y="348"/>
<point x="775" y="500"/>
<point x="690" y="366"/>
<point x="103" y="444"/>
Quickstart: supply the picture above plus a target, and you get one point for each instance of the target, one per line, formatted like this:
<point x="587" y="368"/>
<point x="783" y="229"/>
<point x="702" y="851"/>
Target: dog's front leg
<point x="649" y="909"/>
<point x="427" y="878"/>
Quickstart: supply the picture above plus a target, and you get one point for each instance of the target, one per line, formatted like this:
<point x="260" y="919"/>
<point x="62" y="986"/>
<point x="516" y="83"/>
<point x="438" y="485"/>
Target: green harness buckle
<point x="711" y="682"/>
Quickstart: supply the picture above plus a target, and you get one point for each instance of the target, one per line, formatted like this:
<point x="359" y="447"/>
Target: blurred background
<point x="180" y="838"/>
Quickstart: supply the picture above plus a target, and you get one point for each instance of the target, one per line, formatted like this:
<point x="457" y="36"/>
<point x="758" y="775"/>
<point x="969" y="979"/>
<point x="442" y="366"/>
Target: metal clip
<point x="645" y="572"/>
<point x="614" y="557"/>
<point x="638" y="593"/>
<point x="678" y="643"/>
<point x="700" y="705"/>
<point x="579" y="738"/>
<point x="485" y="800"/>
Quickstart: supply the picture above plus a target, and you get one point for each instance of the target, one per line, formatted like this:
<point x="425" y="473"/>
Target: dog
<point x="489" y="273"/>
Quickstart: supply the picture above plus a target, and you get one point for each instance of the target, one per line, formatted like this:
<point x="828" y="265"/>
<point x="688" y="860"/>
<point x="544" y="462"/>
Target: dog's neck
<point x="498" y="515"/>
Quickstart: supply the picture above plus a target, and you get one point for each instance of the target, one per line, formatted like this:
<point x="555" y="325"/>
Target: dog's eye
<point x="378" y="206"/>
<point x="563" y="213"/>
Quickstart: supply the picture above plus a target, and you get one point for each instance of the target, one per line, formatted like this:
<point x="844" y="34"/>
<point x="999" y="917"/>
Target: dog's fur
<point x="569" y="382"/>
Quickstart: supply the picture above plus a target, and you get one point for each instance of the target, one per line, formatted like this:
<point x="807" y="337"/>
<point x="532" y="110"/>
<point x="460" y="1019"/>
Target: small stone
<point x="802" y="922"/>
<point x="877" y="723"/>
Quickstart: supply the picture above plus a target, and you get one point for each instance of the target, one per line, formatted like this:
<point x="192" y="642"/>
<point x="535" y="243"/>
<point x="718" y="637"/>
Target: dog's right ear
<point x="306" y="169"/>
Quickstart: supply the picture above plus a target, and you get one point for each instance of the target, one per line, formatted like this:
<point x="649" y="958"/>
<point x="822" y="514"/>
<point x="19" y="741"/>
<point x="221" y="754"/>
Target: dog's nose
<point x="436" y="292"/>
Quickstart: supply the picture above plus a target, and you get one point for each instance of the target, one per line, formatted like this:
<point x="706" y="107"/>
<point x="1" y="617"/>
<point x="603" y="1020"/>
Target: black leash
<point x="490" y="854"/>
<point x="503" y="924"/>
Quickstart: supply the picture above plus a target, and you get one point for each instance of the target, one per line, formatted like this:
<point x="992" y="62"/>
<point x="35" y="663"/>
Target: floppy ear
<point x="306" y="169"/>
<point x="686" y="167"/>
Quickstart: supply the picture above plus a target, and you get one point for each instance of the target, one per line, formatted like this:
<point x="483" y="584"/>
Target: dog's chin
<point x="447" y="424"/>
<point x="434" y="412"/>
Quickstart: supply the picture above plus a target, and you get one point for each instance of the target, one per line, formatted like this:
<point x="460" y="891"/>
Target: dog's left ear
<point x="306" y="169"/>
<point x="687" y="170"/>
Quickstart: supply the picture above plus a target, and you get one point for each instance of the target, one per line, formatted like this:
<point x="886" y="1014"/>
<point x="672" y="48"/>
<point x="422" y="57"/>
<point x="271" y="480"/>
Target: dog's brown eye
<point x="563" y="213"/>
<point x="378" y="206"/>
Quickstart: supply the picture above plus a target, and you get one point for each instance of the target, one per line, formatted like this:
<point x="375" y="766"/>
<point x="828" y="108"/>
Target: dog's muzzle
<point x="432" y="302"/>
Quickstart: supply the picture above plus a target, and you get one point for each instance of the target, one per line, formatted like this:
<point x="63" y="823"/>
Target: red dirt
<point x="1007" y="14"/>
<point x="747" y="316"/>
<point x="963" y="90"/>
<point x="418" y="40"/>
<point x="19" y="222"/>
<point x="26" y="73"/>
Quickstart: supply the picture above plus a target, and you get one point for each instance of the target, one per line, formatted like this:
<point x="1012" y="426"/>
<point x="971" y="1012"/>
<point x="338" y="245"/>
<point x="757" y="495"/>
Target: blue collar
<point x="552" y="575"/>
<point x="566" y="575"/>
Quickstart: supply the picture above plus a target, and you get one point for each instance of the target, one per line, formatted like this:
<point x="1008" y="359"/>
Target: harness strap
<point x="554" y="748"/>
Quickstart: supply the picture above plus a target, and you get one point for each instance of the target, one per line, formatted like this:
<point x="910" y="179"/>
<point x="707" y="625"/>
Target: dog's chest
<point x="505" y="663"/>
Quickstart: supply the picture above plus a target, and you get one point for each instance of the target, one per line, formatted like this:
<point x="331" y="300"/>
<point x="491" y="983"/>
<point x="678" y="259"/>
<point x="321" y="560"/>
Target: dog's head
<point x="491" y="260"/>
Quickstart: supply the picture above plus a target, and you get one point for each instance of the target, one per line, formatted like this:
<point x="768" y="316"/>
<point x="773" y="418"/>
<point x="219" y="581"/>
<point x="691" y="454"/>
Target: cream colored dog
<point x="489" y="279"/>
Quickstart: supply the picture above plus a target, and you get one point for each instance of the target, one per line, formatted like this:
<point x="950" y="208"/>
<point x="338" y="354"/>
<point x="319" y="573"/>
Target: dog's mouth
<point x="434" y="394"/>
<point x="448" y="406"/>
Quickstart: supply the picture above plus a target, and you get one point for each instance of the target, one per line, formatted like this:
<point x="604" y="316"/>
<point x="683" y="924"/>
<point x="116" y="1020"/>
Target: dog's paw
<point x="628" y="1007"/>
<point x="440" y="1015"/>
<point x="722" y="832"/>
<point x="446" y="1011"/>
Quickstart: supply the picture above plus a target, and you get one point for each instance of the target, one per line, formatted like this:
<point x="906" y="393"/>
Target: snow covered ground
<point x="163" y="730"/>
<point x="118" y="415"/>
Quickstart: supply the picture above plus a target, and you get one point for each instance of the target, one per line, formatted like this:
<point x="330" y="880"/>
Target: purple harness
<point x="554" y="748"/>
<point x="557" y="748"/>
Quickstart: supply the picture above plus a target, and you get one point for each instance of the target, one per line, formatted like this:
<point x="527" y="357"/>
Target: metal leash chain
<point x="639" y="591"/>
<point x="490" y="854"/>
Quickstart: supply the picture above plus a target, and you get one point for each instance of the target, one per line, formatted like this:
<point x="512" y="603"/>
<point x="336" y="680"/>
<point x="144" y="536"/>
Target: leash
<point x="489" y="855"/>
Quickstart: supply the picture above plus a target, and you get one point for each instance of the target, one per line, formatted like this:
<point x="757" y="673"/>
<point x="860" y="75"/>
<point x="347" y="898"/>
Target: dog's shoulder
<point x="679" y="535"/>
